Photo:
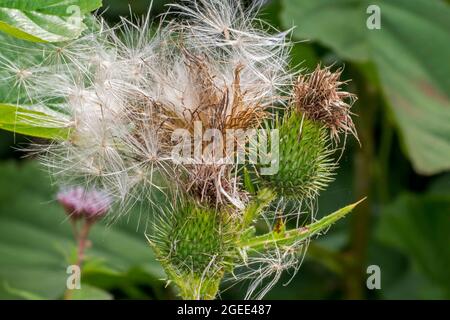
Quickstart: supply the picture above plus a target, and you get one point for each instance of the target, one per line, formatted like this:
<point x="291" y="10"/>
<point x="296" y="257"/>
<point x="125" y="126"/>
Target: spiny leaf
<point x="292" y="236"/>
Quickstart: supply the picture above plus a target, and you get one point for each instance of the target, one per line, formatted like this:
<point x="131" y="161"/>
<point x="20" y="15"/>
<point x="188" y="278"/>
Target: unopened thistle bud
<point x="306" y="165"/>
<point x="196" y="246"/>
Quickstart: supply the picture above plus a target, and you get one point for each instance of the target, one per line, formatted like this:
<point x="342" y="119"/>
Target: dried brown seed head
<point x="319" y="97"/>
<point x="220" y="104"/>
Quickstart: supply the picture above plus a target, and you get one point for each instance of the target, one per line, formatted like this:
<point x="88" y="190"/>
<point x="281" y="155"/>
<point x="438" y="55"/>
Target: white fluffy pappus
<point x="117" y="87"/>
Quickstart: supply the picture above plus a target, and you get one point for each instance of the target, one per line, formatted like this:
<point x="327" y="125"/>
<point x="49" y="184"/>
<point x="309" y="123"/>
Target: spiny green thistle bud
<point x="196" y="246"/>
<point x="305" y="158"/>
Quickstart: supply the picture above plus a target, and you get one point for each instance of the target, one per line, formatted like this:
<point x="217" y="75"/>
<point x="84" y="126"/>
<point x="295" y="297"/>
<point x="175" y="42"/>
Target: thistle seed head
<point x="124" y="90"/>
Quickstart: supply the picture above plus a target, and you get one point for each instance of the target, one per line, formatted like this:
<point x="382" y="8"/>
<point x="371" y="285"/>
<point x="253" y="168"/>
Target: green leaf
<point x="22" y="293"/>
<point x="410" y="53"/>
<point x="263" y="198"/>
<point x="87" y="292"/>
<point x="31" y="122"/>
<point x="45" y="20"/>
<point x="419" y="226"/>
<point x="295" y="235"/>
<point x="248" y="182"/>
<point x="411" y="285"/>
<point x="36" y="241"/>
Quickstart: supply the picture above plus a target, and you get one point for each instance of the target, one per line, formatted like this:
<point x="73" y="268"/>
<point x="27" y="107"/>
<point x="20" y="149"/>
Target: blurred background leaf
<point x="88" y="292"/>
<point x="419" y="227"/>
<point x="45" y="20"/>
<point x="35" y="239"/>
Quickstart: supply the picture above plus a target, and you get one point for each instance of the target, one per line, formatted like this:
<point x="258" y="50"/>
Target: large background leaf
<point x="419" y="226"/>
<point x="411" y="54"/>
<point x="36" y="242"/>
<point x="45" y="20"/>
<point x="31" y="122"/>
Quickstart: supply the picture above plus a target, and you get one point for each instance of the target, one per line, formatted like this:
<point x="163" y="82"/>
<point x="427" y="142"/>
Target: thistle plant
<point x="165" y="114"/>
<point x="84" y="208"/>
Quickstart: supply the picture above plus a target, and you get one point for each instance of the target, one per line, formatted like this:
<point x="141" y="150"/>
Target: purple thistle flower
<point x="72" y="201"/>
<point x="80" y="203"/>
<point x="96" y="204"/>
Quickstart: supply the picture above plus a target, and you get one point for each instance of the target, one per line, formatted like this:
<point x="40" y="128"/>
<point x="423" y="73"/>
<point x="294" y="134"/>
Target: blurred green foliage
<point x="45" y="20"/>
<point x="400" y="73"/>
<point x="36" y="244"/>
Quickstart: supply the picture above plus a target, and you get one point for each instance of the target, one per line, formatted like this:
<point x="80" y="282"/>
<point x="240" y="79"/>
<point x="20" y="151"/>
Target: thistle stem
<point x="82" y="242"/>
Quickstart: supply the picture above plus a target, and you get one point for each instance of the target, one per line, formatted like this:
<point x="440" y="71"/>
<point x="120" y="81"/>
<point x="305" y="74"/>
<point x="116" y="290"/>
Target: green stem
<point x="263" y="198"/>
<point x="383" y="159"/>
<point x="82" y="240"/>
<point x="199" y="289"/>
<point x="191" y="286"/>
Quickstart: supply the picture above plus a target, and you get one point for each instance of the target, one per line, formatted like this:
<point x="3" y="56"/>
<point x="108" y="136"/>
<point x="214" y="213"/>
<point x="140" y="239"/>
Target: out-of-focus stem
<point x="82" y="241"/>
<point x="363" y="175"/>
<point x="383" y="159"/>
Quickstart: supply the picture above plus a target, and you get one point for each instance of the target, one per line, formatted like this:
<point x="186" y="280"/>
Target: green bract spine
<point x="306" y="164"/>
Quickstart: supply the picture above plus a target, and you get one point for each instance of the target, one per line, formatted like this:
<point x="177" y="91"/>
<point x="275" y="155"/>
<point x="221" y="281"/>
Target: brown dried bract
<point x="319" y="97"/>
<point x="221" y="108"/>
